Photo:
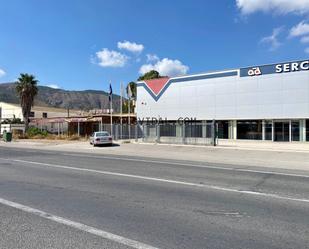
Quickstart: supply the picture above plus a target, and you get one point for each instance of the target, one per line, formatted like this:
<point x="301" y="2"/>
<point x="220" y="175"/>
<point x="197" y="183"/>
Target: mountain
<point x="82" y="100"/>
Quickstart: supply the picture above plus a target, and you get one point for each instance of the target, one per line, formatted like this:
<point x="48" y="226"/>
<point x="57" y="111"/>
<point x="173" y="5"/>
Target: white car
<point x="101" y="137"/>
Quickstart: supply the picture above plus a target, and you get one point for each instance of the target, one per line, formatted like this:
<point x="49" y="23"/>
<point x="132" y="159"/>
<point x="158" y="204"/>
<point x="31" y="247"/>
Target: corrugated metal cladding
<point x="277" y="91"/>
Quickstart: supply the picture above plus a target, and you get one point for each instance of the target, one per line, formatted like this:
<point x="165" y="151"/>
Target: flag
<point x="110" y="92"/>
<point x="129" y="92"/>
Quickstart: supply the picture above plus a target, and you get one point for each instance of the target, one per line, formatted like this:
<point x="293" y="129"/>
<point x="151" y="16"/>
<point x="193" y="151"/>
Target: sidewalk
<point x="283" y="156"/>
<point x="265" y="145"/>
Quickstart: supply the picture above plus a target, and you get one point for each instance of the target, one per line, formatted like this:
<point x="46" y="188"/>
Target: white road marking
<point x="191" y="184"/>
<point x="179" y="164"/>
<point x="188" y="165"/>
<point x="79" y="226"/>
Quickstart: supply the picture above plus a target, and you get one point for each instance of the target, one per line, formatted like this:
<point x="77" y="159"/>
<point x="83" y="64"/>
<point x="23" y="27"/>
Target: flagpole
<point x="111" y="109"/>
<point x="129" y="104"/>
<point x="121" y="92"/>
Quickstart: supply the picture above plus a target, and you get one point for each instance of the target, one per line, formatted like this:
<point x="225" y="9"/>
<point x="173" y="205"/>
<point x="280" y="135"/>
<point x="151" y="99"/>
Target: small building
<point x="72" y="122"/>
<point x="85" y="125"/>
<point x="9" y="111"/>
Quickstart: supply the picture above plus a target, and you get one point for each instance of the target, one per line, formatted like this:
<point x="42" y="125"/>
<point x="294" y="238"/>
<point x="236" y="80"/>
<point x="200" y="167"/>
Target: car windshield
<point x="102" y="134"/>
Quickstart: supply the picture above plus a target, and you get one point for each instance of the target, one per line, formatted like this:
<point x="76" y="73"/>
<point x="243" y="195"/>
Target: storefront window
<point x="268" y="130"/>
<point x="307" y="130"/>
<point x="168" y="130"/>
<point x="194" y="130"/>
<point x="249" y="129"/>
<point x="209" y="126"/>
<point x="282" y="131"/>
<point x="295" y="130"/>
<point x="223" y="129"/>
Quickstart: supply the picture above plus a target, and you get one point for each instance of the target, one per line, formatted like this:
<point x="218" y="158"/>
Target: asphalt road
<point x="72" y="200"/>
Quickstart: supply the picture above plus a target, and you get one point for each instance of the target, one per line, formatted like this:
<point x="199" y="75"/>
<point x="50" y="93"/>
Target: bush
<point x="34" y="132"/>
<point x="12" y="121"/>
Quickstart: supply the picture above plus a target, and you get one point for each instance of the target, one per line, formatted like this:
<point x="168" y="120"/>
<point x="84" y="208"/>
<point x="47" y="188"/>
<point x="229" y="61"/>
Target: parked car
<point x="101" y="137"/>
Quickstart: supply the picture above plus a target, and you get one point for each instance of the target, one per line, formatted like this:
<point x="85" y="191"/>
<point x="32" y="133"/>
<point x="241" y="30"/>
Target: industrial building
<point x="265" y="102"/>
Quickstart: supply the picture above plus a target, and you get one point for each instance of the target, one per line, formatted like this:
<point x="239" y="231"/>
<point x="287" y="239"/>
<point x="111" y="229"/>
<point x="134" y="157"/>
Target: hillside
<point x="83" y="100"/>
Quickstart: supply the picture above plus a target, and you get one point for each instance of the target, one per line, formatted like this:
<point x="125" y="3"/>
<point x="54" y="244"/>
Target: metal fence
<point x="168" y="133"/>
<point x="175" y="133"/>
<point x="123" y="131"/>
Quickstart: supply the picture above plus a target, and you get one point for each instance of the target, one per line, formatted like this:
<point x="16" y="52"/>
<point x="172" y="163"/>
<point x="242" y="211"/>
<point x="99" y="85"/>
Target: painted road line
<point x="79" y="226"/>
<point x="188" y="165"/>
<point x="177" y="163"/>
<point x="191" y="184"/>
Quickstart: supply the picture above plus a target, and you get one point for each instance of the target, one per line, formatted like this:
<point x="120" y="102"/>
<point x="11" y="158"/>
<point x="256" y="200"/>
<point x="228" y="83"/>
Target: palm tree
<point x="26" y="89"/>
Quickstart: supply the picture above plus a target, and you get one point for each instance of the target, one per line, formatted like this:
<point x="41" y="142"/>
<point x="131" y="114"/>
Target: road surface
<point x="51" y="199"/>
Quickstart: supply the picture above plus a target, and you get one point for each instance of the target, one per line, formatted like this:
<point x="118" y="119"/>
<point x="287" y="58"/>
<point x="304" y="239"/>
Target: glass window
<point x="31" y="115"/>
<point x="223" y="129"/>
<point x="193" y="130"/>
<point x="168" y="130"/>
<point x="307" y="130"/>
<point x="102" y="134"/>
<point x="282" y="131"/>
<point x="295" y="131"/>
<point x="44" y="114"/>
<point x="249" y="129"/>
<point x="209" y="127"/>
<point x="268" y="130"/>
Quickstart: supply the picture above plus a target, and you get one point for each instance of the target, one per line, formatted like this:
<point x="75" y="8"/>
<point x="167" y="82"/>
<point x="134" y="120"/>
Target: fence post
<point x="136" y="132"/>
<point x="183" y="132"/>
<point x="115" y="132"/>
<point x="213" y="132"/>
<point x="78" y="128"/>
<point x="158" y="133"/>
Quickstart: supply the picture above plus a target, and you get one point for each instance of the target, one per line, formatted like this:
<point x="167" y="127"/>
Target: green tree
<point x="26" y="89"/>
<point x="153" y="74"/>
<point x="125" y="106"/>
<point x="132" y="86"/>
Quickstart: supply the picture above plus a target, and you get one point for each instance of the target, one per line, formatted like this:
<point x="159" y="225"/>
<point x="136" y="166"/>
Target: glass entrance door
<point x="282" y="131"/>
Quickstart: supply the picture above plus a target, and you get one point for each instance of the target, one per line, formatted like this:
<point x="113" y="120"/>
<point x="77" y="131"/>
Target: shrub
<point x="33" y="132"/>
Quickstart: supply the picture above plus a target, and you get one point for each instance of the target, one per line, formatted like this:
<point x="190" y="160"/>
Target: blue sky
<point x="79" y="44"/>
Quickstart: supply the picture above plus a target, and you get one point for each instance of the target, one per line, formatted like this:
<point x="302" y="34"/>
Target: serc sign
<point x="275" y="68"/>
<point x="292" y="67"/>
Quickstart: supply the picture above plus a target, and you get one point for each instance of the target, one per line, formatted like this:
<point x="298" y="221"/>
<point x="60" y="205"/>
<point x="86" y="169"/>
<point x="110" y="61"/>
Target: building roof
<point x="43" y="108"/>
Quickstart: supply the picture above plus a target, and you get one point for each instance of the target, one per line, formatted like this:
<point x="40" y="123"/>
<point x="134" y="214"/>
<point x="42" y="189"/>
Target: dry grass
<point x="49" y="137"/>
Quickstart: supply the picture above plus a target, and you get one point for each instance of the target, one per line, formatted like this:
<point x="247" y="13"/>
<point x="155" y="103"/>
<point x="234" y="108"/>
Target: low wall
<point x="11" y="127"/>
<point x="179" y="140"/>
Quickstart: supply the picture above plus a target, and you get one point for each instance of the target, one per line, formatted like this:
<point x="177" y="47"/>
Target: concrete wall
<point x="8" y="111"/>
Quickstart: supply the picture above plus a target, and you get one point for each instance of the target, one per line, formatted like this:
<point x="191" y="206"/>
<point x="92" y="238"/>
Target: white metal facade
<point x="282" y="95"/>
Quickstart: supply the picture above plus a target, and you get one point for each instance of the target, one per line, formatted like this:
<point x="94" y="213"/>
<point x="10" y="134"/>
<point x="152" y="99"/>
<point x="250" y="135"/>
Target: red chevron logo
<point x="156" y="85"/>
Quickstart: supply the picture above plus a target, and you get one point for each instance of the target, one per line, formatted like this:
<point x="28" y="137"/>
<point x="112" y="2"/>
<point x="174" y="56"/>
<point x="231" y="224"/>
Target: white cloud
<point x="300" y="29"/>
<point x="131" y="46"/>
<point x="152" y="57"/>
<point x="273" y="39"/>
<point x="53" y="86"/>
<point x="304" y="39"/>
<point x="2" y="72"/>
<point x="307" y="50"/>
<point x="166" y="67"/>
<point x="277" y="6"/>
<point x="110" y="58"/>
